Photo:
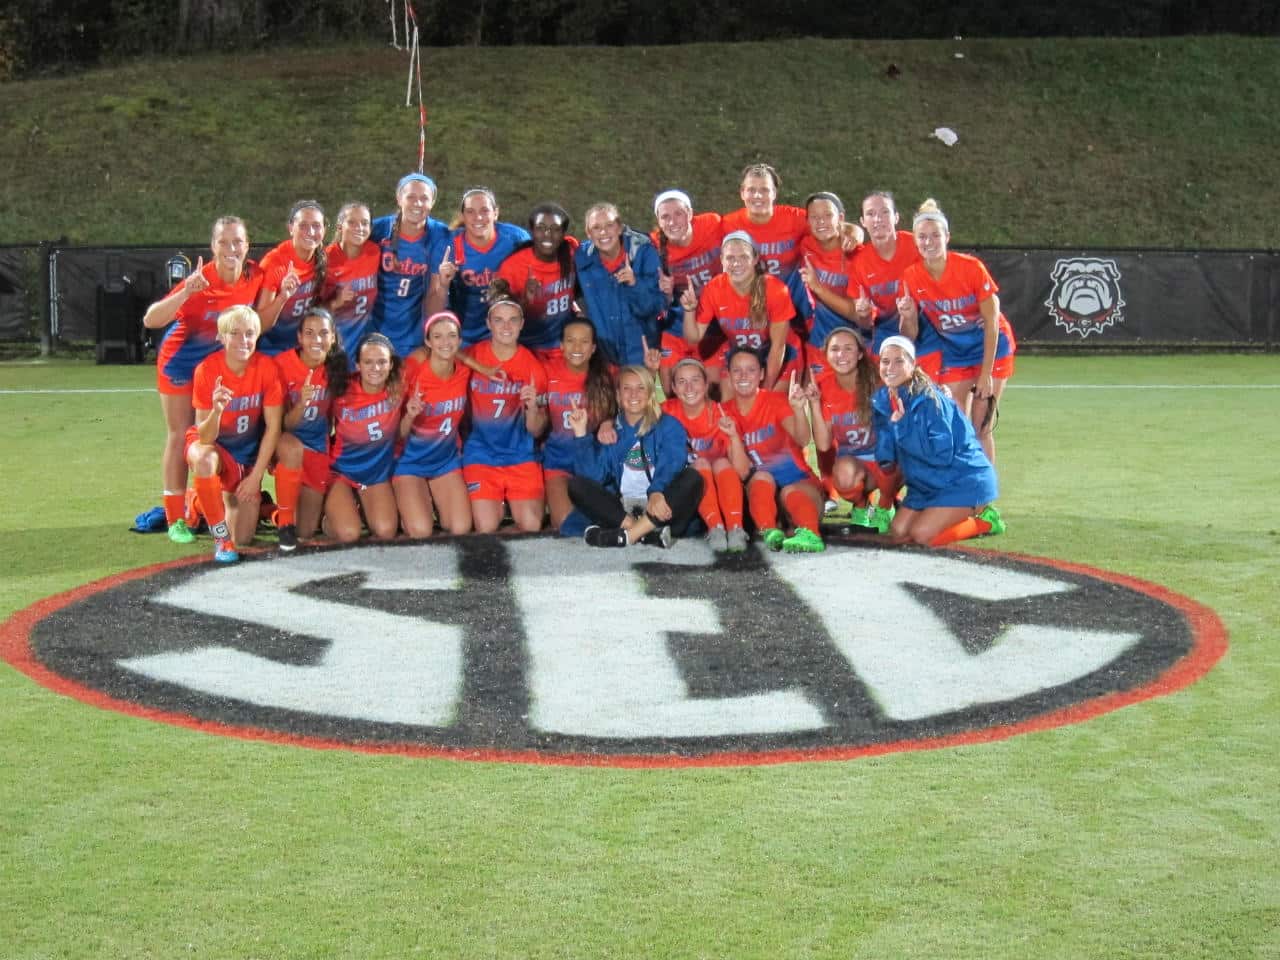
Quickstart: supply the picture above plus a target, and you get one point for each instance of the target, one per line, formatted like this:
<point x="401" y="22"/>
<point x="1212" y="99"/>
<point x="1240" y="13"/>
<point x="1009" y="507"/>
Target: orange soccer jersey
<point x="700" y="258"/>
<point x="194" y="334"/>
<point x="778" y="241"/>
<point x="283" y="335"/>
<point x="721" y="304"/>
<point x="240" y="426"/>
<point x="544" y="314"/>
<point x="359" y="276"/>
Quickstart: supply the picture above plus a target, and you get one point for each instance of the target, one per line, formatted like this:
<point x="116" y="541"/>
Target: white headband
<point x="902" y="343"/>
<point x="934" y="215"/>
<point x="666" y="195"/>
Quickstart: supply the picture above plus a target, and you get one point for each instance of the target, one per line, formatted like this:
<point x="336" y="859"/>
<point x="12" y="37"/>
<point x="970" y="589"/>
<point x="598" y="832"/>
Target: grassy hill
<point x="1166" y="142"/>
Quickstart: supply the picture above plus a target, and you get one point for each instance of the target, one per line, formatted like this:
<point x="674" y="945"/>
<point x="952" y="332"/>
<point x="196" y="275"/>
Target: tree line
<point x="42" y="35"/>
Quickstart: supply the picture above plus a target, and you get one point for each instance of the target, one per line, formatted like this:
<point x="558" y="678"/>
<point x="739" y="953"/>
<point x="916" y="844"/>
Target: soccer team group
<point x="409" y="376"/>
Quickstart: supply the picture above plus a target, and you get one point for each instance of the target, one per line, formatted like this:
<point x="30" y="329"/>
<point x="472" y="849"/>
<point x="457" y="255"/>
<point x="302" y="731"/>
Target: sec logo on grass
<point x="538" y="650"/>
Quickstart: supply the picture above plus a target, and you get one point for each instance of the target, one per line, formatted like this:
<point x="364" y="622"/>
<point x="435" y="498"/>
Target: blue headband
<point x="409" y="178"/>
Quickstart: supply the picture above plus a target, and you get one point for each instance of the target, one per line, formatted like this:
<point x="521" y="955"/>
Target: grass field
<point x="1062" y="142"/>
<point x="1150" y="832"/>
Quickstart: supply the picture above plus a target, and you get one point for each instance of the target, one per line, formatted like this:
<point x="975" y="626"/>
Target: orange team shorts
<point x="230" y="470"/>
<point x="519" y="481"/>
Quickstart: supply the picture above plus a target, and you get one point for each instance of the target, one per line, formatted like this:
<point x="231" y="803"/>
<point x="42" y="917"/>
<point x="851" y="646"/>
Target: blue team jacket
<point x="621" y="313"/>
<point x="942" y="462"/>
<point x="665" y="449"/>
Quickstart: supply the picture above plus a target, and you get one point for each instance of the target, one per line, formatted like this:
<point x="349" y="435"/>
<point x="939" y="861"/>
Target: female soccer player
<point x="775" y="228"/>
<point x="751" y="307"/>
<point x="840" y="413"/>
<point x="715" y="452"/>
<point x="955" y="294"/>
<point x="467" y="264"/>
<point x="366" y="421"/>
<point x="302" y="454"/>
<point x="238" y="401"/>
<point x="577" y="377"/>
<point x="293" y="274"/>
<point x="688" y="254"/>
<point x="541" y="277"/>
<point x="775" y="431"/>
<point x="618" y="276"/>
<point x="875" y="284"/>
<point x="351" y="289"/>
<point x="922" y="431"/>
<point x="639" y="488"/>
<point x="428" y="474"/>
<point x="193" y="307"/>
<point x="824" y="268"/>
<point x="499" y="455"/>
<point x="404" y="271"/>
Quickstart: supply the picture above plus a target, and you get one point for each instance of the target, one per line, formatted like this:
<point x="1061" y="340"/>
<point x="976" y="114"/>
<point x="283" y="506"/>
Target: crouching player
<point x="302" y="455"/>
<point x="239" y="402"/>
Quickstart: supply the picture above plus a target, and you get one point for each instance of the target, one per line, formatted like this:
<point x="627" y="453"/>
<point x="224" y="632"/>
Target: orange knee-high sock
<point x="288" y="489"/>
<point x="763" y="503"/>
<point x="709" y="505"/>
<point x="175" y="506"/>
<point x="801" y="510"/>
<point x="209" y="491"/>
<point x="967" y="528"/>
<point x="887" y="484"/>
<point x="729" y="488"/>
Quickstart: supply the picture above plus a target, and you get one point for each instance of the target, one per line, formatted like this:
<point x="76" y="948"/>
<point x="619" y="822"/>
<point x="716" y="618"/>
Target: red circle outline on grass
<point x="1208" y="635"/>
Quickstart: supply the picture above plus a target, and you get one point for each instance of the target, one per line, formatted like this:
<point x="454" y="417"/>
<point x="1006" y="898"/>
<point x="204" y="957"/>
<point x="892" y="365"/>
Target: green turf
<point x="1150" y="832"/>
<point x="1071" y="141"/>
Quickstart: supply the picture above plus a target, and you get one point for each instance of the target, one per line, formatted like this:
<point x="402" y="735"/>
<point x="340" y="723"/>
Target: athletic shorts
<point x="316" y="472"/>
<point x="172" y="388"/>
<point x="785" y="475"/>
<point x="520" y="481"/>
<point x="1002" y="369"/>
<point x="230" y="470"/>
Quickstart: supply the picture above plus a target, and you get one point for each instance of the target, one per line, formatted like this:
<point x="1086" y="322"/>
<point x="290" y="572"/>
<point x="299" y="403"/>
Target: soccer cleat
<point x="773" y="538"/>
<point x="288" y="538"/>
<point x="224" y="551"/>
<point x="881" y="518"/>
<point x="179" y="532"/>
<point x="861" y="517"/>
<point x="717" y="540"/>
<point x="660" y="537"/>
<point x="803" y="540"/>
<point x="992" y="516"/>
<point x="737" y="538"/>
<point x="597" y="536"/>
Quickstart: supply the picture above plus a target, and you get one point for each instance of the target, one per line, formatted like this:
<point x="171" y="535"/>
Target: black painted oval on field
<point x="511" y="648"/>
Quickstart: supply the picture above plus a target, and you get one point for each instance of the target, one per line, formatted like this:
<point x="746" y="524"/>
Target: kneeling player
<point x="238" y="402"/>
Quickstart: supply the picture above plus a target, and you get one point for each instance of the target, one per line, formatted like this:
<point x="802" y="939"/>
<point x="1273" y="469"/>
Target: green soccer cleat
<point x="179" y="532"/>
<point x="773" y="538"/>
<point x="861" y="517"/>
<point x="882" y="518"/>
<point x="804" y="541"/>
<point x="992" y="516"/>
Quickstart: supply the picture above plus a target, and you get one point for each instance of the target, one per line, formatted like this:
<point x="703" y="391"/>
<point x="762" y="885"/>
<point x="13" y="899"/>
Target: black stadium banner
<point x="1138" y="298"/>
<point x="1054" y="298"/>
<point x="16" y="296"/>
<point x="135" y="276"/>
